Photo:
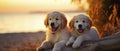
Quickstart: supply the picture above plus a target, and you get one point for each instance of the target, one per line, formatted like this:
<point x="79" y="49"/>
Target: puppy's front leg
<point x="58" y="46"/>
<point x="45" y="45"/>
<point x="70" y="41"/>
<point x="77" y="42"/>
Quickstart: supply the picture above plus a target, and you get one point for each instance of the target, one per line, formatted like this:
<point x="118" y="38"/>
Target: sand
<point x="21" y="41"/>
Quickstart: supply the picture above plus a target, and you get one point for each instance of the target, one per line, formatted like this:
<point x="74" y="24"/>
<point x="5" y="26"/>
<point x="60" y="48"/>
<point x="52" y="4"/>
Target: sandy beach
<point x="21" y="41"/>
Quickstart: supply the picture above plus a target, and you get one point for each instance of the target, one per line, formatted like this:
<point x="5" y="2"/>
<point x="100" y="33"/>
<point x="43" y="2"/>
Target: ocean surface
<point x="26" y="22"/>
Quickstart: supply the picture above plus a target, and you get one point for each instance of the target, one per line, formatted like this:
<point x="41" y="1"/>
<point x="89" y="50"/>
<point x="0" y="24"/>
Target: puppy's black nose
<point x="79" y="26"/>
<point x="52" y="24"/>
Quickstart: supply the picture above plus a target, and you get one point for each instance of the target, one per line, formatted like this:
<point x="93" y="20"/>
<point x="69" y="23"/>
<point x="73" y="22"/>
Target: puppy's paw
<point x="75" y="45"/>
<point x="68" y="44"/>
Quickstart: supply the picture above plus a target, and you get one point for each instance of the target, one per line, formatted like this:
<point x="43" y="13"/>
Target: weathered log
<point x="109" y="43"/>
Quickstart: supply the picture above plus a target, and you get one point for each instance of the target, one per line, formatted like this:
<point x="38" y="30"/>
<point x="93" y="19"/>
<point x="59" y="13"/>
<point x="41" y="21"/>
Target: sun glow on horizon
<point x="35" y="5"/>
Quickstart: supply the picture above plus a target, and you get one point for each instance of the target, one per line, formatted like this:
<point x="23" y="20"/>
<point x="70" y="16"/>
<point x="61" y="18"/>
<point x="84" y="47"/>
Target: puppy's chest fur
<point x="58" y="36"/>
<point x="55" y="37"/>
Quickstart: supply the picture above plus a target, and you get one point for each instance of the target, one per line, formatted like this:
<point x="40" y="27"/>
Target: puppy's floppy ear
<point x="64" y="21"/>
<point x="89" y="23"/>
<point x="71" y="23"/>
<point x="46" y="21"/>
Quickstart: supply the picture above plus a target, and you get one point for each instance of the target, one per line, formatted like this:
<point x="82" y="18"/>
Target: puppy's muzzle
<point x="80" y="26"/>
<point x="52" y="25"/>
<point x="80" y="29"/>
<point x="53" y="28"/>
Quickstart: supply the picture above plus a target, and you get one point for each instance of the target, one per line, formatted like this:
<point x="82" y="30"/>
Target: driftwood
<point x="109" y="43"/>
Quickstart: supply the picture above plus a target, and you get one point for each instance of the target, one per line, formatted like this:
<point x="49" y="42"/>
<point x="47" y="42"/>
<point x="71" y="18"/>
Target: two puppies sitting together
<point x="58" y="35"/>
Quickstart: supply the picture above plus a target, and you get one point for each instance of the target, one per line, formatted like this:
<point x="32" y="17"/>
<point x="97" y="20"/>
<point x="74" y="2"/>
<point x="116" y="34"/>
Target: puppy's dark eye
<point x="83" y="21"/>
<point x="57" y="19"/>
<point x="76" y="21"/>
<point x="50" y="19"/>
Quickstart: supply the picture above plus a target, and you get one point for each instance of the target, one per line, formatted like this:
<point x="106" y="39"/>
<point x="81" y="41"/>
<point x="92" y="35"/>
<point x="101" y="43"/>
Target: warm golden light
<point x="35" y="5"/>
<point x="83" y="5"/>
<point x="10" y="21"/>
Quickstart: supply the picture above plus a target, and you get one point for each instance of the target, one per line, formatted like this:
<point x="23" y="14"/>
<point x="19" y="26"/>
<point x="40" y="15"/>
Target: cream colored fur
<point x="57" y="38"/>
<point x="89" y="32"/>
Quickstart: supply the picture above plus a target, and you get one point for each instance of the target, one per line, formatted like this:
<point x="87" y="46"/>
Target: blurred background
<point x="28" y="15"/>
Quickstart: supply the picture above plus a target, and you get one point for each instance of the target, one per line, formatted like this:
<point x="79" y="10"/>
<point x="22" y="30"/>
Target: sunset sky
<point x="20" y="6"/>
<point x="32" y="22"/>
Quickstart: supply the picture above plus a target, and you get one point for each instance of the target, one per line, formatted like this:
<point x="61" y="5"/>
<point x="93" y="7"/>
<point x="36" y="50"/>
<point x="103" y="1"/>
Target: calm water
<point x="25" y="22"/>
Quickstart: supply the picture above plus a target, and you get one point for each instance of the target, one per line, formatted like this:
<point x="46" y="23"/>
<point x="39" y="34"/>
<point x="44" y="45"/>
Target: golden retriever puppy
<point x="57" y="32"/>
<point x="81" y="30"/>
